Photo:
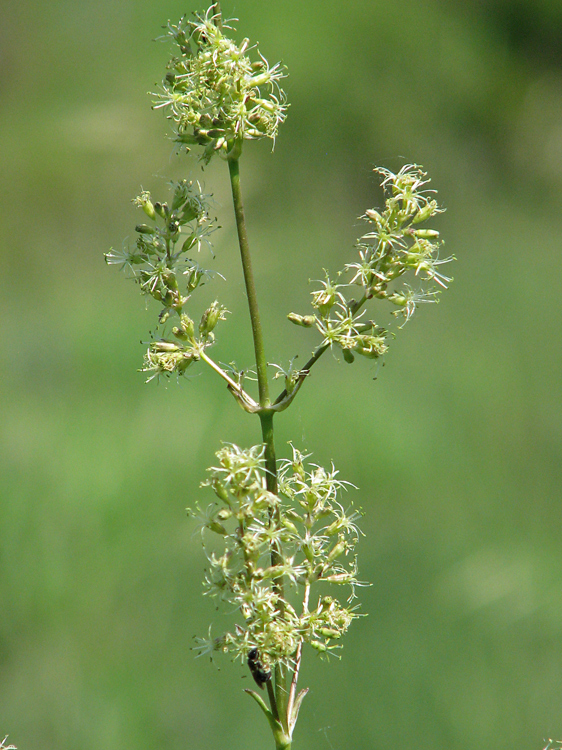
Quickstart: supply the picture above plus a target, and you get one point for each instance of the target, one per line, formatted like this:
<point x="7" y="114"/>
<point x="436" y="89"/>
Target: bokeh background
<point x="456" y="445"/>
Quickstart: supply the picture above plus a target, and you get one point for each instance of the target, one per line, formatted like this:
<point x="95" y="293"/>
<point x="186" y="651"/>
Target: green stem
<point x="261" y="364"/>
<point x="266" y="416"/>
<point x="319" y="351"/>
<point x="218" y="14"/>
<point x="266" y="419"/>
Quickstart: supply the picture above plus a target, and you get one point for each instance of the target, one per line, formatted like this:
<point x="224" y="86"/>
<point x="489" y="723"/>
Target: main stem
<point x="261" y="365"/>
<point x="265" y="415"/>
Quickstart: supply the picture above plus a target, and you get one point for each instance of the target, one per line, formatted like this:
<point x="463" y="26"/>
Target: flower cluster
<point x="394" y="246"/>
<point x="275" y="547"/>
<point x="214" y="94"/>
<point x="161" y="265"/>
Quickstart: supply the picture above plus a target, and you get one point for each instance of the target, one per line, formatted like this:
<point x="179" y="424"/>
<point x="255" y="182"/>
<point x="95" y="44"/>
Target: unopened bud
<point x="336" y="551"/>
<point x="373" y="215"/>
<point x="144" y="229"/>
<point x="319" y="646"/>
<point x="180" y="194"/>
<point x="398" y="299"/>
<point x="217" y="527"/>
<point x="220" y="491"/>
<point x="329" y="632"/>
<point x="164" y="346"/>
<point x="348" y="356"/>
<point x="169" y="278"/>
<point x="307" y="321"/>
<point x="426" y="234"/>
<point x="309" y="554"/>
<point x="161" y="209"/>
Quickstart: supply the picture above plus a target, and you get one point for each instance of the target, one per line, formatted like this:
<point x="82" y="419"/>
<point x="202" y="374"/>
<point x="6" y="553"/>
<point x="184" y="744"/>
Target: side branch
<point x="243" y="398"/>
<point x="318" y="352"/>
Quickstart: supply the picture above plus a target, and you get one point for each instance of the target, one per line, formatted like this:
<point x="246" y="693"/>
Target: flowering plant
<point x="286" y="539"/>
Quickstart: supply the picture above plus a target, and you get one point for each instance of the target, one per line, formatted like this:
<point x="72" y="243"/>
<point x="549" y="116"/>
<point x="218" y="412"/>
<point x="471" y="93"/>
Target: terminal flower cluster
<point x="312" y="538"/>
<point x="395" y="246"/>
<point x="215" y="95"/>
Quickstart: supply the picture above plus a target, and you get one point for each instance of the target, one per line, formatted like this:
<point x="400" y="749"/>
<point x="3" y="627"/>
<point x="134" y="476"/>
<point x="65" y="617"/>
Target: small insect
<point x="259" y="673"/>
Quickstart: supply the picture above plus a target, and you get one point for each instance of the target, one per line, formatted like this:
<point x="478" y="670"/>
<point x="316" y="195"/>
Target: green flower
<point x="215" y="95"/>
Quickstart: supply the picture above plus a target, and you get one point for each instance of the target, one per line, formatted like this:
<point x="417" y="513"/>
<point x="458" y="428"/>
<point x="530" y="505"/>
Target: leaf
<point x="295" y="710"/>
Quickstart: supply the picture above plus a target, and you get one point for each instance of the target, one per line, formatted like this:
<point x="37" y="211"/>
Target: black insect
<point x="259" y="673"/>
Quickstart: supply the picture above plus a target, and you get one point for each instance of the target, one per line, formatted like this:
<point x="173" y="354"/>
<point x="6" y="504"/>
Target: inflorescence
<point x="161" y="265"/>
<point x="394" y="246"/>
<point x="214" y="94"/>
<point x="313" y="538"/>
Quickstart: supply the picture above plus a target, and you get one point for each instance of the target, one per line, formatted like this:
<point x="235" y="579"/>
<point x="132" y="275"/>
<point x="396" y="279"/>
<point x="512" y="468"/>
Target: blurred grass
<point x="456" y="446"/>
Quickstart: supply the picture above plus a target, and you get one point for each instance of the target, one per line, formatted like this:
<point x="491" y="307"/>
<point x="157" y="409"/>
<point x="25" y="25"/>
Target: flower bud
<point x="210" y="318"/>
<point x="219" y="490"/>
<point x="289" y="525"/>
<point x="180" y="194"/>
<point x="426" y="234"/>
<point x="187" y="324"/>
<point x="309" y="554"/>
<point x="348" y="356"/>
<point x="145" y="229"/>
<point x="169" y="278"/>
<point x="329" y="632"/>
<point x="373" y="215"/>
<point x="164" y="346"/>
<point x="336" y="551"/>
<point x="424" y="213"/>
<point x="306" y="321"/>
<point x="217" y="527"/>
<point x="319" y="646"/>
<point x="161" y="209"/>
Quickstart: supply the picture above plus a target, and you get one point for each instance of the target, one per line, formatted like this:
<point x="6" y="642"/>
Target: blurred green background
<point x="456" y="446"/>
